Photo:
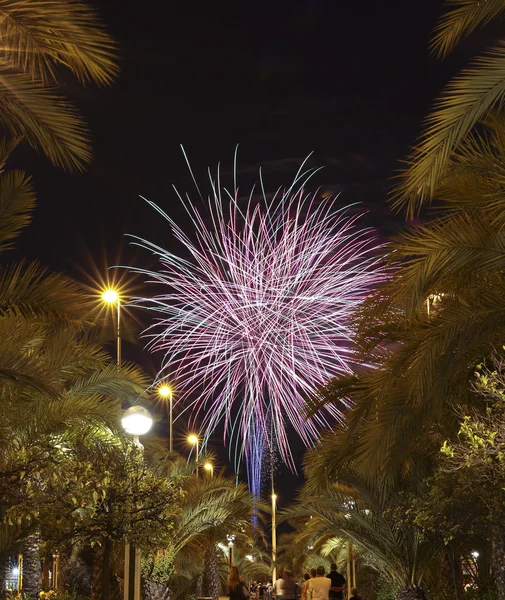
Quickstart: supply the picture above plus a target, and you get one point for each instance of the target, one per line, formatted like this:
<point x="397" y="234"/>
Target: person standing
<point x="304" y="587"/>
<point x="319" y="587"/>
<point x="338" y="583"/>
<point x="285" y="587"/>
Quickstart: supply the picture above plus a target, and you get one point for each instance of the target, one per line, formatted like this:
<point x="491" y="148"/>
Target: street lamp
<point x="136" y="421"/>
<point x="110" y="296"/>
<point x="231" y="539"/>
<point x="165" y="391"/>
<point x="194" y="441"/>
<point x="274" y="535"/>
<point x="209" y="467"/>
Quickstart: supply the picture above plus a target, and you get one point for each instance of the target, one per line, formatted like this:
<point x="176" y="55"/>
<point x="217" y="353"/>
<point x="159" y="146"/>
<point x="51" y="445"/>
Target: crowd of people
<point x="316" y="585"/>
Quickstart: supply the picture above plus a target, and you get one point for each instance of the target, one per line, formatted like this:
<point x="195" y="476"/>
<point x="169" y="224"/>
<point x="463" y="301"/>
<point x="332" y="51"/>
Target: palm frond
<point x="357" y="514"/>
<point x="460" y="19"/>
<point x="17" y="201"/>
<point x="127" y="381"/>
<point x="30" y="291"/>
<point x="464" y="102"/>
<point x="440" y="257"/>
<point x="38" y="35"/>
<point x="47" y="122"/>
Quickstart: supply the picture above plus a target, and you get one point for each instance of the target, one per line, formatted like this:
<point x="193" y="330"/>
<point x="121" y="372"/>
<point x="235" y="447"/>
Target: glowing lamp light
<point x="475" y="554"/>
<point x="208" y="466"/>
<point x="165" y="391"/>
<point x="193" y="439"/>
<point x="15" y="571"/>
<point x="110" y="296"/>
<point x="137" y="420"/>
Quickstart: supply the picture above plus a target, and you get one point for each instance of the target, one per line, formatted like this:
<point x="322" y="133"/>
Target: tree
<point x="440" y="314"/>
<point x="464" y="103"/>
<point x="39" y="38"/>
<point x="211" y="508"/>
<point x="353" y="510"/>
<point x="476" y="461"/>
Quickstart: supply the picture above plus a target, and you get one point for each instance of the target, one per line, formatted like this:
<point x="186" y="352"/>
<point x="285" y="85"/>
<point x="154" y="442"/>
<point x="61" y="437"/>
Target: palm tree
<point x="359" y="512"/>
<point x="38" y="39"/>
<point x="87" y="388"/>
<point x="210" y="509"/>
<point x="440" y="314"/>
<point x="464" y="103"/>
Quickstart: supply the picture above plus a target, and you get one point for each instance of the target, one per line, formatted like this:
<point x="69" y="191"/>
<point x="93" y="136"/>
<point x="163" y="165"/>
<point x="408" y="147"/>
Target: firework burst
<point x="257" y="316"/>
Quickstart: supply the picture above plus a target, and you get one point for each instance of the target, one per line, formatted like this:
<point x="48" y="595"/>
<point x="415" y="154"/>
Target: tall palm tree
<point x="359" y="512"/>
<point x="211" y="508"/>
<point x="38" y="39"/>
<point x="441" y="313"/>
<point x="464" y="103"/>
<point x="54" y="380"/>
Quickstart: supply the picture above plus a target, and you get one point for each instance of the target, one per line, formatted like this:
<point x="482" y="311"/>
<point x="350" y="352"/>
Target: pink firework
<point x="257" y="316"/>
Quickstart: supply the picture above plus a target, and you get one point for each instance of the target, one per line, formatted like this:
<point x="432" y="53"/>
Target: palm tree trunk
<point x="211" y="573"/>
<point x="455" y="562"/>
<point x="100" y="579"/>
<point x="31" y="565"/>
<point x="198" y="586"/>
<point x="154" y="590"/>
<point x="4" y="564"/>
<point x="74" y="571"/>
<point x="498" y="559"/>
<point x="410" y="592"/>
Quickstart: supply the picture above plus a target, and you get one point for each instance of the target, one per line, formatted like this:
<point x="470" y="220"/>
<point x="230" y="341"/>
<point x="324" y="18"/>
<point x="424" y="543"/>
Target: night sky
<point x="350" y="81"/>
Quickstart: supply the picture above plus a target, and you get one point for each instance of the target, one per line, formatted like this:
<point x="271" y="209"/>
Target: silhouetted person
<point x="338" y="583"/>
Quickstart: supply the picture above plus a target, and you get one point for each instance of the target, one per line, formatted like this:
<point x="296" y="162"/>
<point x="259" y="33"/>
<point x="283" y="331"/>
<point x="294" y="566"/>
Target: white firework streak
<point x="258" y="318"/>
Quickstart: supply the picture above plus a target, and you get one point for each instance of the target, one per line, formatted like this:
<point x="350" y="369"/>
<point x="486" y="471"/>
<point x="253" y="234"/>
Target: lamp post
<point x="209" y="467"/>
<point x="194" y="441"/>
<point x="274" y="523"/>
<point x="136" y="421"/>
<point x="274" y="536"/>
<point x="165" y="391"/>
<point x="231" y="539"/>
<point x="110" y="296"/>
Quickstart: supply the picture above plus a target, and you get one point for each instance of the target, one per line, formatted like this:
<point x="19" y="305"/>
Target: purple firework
<point x="257" y="316"/>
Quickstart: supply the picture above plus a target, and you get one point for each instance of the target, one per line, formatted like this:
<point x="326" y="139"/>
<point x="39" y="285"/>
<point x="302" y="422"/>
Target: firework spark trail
<point x="258" y="318"/>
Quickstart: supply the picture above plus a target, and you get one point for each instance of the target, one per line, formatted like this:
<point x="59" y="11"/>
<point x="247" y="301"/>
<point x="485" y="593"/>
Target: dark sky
<point x="350" y="81"/>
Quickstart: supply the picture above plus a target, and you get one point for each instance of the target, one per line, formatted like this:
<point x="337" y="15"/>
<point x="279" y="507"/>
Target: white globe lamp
<point x="136" y="420"/>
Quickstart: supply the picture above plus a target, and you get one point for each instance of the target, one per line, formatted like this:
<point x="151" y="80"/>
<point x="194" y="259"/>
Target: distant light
<point x="208" y="466"/>
<point x="475" y="554"/>
<point x="193" y="439"/>
<point x="274" y="496"/>
<point x="249" y="557"/>
<point x="110" y="296"/>
<point x="165" y="391"/>
<point x="137" y="420"/>
<point x="310" y="547"/>
<point x="15" y="571"/>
